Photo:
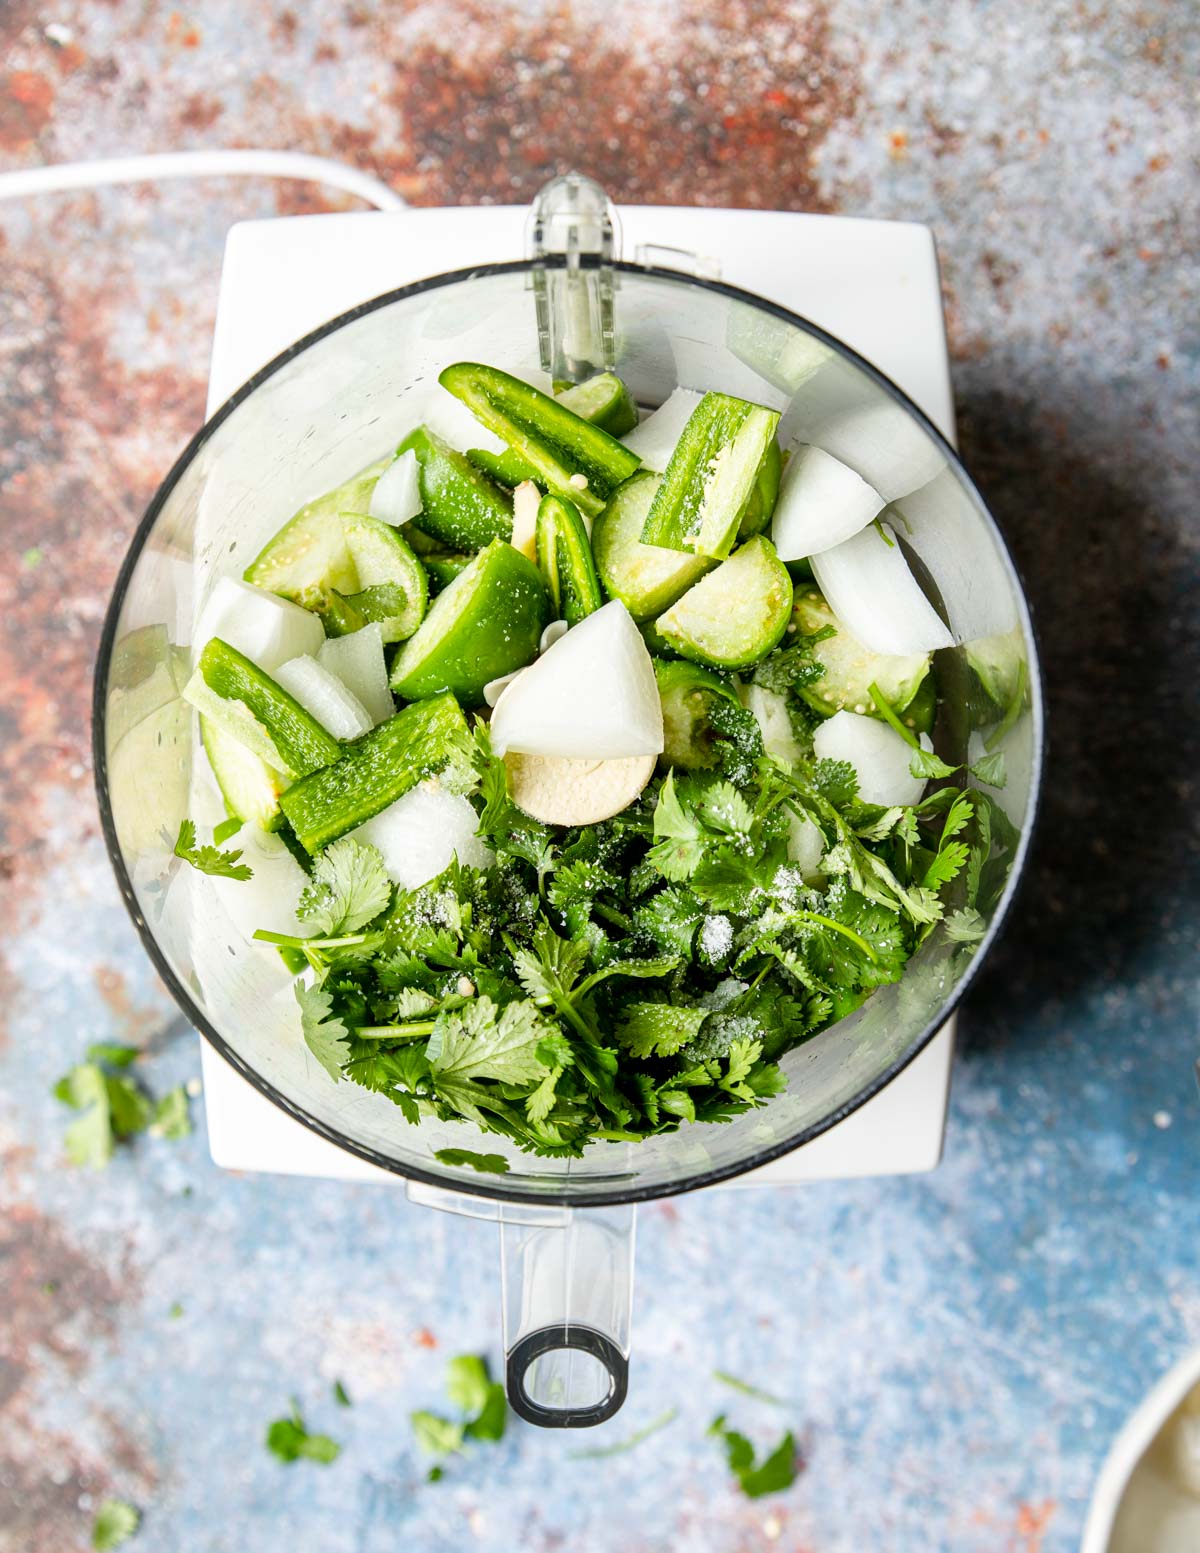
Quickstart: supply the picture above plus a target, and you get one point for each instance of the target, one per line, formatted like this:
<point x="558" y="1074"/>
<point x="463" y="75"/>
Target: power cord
<point x="200" y="164"/>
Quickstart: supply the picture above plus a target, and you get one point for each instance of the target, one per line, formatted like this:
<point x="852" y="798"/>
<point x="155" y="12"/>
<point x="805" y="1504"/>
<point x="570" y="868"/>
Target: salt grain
<point x="716" y="937"/>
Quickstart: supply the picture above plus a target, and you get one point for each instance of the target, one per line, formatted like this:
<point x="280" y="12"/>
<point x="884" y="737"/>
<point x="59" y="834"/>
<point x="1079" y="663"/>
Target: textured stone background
<point x="958" y="1349"/>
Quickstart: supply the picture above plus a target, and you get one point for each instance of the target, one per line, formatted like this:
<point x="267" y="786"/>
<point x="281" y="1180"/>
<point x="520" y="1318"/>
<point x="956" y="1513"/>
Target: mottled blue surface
<point x="957" y="1350"/>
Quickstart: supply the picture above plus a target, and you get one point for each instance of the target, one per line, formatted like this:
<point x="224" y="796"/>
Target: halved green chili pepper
<point x="603" y="401"/>
<point x="561" y="447"/>
<point x="564" y="555"/>
<point x="300" y="739"/>
<point x="459" y="504"/>
<point x="760" y="508"/>
<point x="711" y="476"/>
<point x="376" y="770"/>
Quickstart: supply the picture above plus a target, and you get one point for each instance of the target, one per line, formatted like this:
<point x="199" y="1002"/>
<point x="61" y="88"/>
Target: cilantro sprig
<point x="210" y="859"/>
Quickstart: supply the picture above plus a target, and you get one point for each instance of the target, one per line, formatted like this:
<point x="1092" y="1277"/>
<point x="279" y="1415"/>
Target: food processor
<point x="328" y="405"/>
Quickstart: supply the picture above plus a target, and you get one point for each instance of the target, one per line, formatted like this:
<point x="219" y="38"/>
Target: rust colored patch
<point x="133" y="1025"/>
<point x="181" y="32"/>
<point x="1033" y="1522"/>
<point x="76" y="468"/>
<point x="26" y="107"/>
<point x="944" y="140"/>
<point x="730" y="108"/>
<point x="58" y="1304"/>
<point x="286" y="26"/>
<point x="200" y="111"/>
<point x="424" y="1338"/>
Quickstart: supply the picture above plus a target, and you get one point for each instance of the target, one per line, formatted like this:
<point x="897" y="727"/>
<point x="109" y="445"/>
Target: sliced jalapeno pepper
<point x="564" y="556"/>
<point x="603" y="400"/>
<point x="561" y="448"/>
<point x="711" y="476"/>
<point x="460" y="506"/>
<point x="375" y="770"/>
<point x="300" y="739"/>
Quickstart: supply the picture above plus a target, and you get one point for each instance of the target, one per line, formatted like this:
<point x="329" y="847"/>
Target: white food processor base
<point x="873" y="284"/>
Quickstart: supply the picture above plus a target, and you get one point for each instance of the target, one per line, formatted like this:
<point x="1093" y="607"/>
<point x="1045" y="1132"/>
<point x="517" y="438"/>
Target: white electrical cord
<point x="200" y="164"/>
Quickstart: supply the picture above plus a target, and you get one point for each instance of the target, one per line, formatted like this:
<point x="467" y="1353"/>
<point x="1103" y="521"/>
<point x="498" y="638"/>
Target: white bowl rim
<point x="1135" y="1439"/>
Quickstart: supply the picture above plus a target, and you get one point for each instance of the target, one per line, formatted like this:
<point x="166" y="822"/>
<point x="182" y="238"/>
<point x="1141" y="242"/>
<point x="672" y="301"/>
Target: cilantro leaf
<point x="658" y="1029"/>
<point x="925" y="764"/>
<point x="836" y="781"/>
<point x="437" y="1436"/>
<point x="669" y="920"/>
<point x="89" y="1141"/>
<point x="115" y="1522"/>
<point x="679" y="845"/>
<point x="481" y="1041"/>
<point x="289" y="1439"/>
<point x="209" y="860"/>
<point x="738" y="739"/>
<point x="349" y="888"/>
<point x="340" y="1395"/>
<point x="325" y="1034"/>
<point x="965" y="926"/>
<point x="774" y="1473"/>
<point x="990" y="770"/>
<point x="486" y="1164"/>
<point x="171" y="1118"/>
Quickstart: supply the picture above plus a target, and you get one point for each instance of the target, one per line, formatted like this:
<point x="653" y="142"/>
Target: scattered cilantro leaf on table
<point x="209" y="859"/>
<point x="480" y="1401"/>
<point x="289" y="1439"/>
<point x="775" y="1472"/>
<point x="115" y="1522"/>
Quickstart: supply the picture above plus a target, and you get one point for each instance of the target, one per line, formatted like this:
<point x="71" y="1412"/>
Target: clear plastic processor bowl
<point x="318" y="413"/>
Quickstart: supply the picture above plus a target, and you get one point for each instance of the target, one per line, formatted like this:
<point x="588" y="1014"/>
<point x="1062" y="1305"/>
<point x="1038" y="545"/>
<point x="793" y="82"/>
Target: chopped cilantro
<point x="615" y="981"/>
<point x="340" y="1395"/>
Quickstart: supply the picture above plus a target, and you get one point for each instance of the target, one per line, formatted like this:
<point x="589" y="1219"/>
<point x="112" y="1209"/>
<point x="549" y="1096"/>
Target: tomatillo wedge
<point x="485" y="623"/>
<point x="564" y="557"/>
<point x="735" y="615"/>
<point x="308" y="555"/>
<point x="646" y="578"/>
<point x="460" y="506"/>
<point x="559" y="445"/>
<point x="848" y="668"/>
<point x="711" y="476"/>
<point x="688" y="694"/>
